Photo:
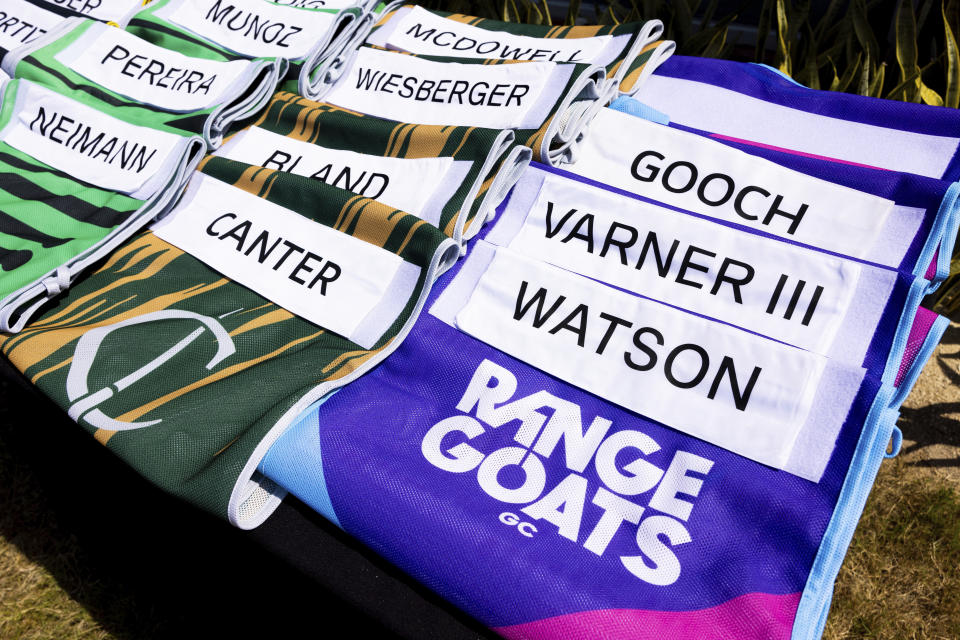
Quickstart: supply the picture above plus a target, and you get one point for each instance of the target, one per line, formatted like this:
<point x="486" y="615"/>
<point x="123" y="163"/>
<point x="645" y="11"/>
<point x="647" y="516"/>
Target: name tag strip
<point x="739" y="391"/>
<point x="327" y="277"/>
<point x="805" y="298"/>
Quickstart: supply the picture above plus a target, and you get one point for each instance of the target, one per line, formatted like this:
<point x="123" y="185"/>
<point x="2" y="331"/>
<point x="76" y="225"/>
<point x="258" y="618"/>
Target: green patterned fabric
<point x="189" y="376"/>
<point x="496" y="159"/>
<point x="325" y="55"/>
<point x="38" y="62"/>
<point x="640" y="55"/>
<point x="52" y="225"/>
<point x="575" y="104"/>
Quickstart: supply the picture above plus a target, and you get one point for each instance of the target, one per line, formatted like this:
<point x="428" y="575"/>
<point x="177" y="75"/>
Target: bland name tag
<point x="409" y="89"/>
<point x="789" y="293"/>
<point x="406" y="184"/>
<point x="254" y="28"/>
<point x="86" y="143"/>
<point x="739" y="391"/>
<point x="420" y="31"/>
<point x="142" y="71"/>
<point x="704" y="176"/>
<point x="320" y="274"/>
<point x="21" y="23"/>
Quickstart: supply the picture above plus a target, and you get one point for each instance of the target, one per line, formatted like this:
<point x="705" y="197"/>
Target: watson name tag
<point x="21" y="23"/>
<point x="420" y="31"/>
<point x="255" y="28"/>
<point x="142" y="71"/>
<point x="406" y="184"/>
<point x="86" y="143"/>
<point x="409" y="89"/>
<point x="731" y="388"/>
<point x="793" y="294"/>
<point x="704" y="176"/>
<point x="320" y="274"/>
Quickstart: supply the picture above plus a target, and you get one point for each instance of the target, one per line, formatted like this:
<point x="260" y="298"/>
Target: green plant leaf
<point x="783" y="39"/>
<point x="876" y="85"/>
<point x="849" y="73"/>
<point x="763" y="30"/>
<point x="952" y="98"/>
<point x="906" y="50"/>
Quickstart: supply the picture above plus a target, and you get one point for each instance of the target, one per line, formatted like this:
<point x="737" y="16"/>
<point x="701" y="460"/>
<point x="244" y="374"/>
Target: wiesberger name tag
<point x="406" y="184"/>
<point x="721" y="384"/>
<point x="409" y="89"/>
<point x="121" y="62"/>
<point x="86" y="143"/>
<point x="701" y="175"/>
<point x="420" y="31"/>
<point x="21" y="23"/>
<point x="793" y="294"/>
<point x="254" y="28"/>
<point x="320" y="274"/>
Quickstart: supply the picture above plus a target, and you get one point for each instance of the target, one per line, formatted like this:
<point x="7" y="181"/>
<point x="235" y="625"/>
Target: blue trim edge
<point x="944" y="236"/>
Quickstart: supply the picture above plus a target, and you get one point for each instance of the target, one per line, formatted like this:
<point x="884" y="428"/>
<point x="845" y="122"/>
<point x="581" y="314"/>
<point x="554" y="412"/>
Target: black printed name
<point x="360" y="181"/>
<point x="18" y="28"/>
<point x="442" y="91"/>
<point x="717" y="189"/>
<point x="80" y="6"/>
<point x="267" y="248"/>
<point x="96" y="145"/>
<point x="157" y="73"/>
<point x="251" y="25"/>
<point x="487" y="48"/>
<point x="556" y="314"/>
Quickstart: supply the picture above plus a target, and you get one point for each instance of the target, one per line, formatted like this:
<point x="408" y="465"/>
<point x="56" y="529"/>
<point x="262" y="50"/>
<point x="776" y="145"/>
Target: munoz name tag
<point x="21" y="23"/>
<point x="121" y="62"/>
<point x="88" y="144"/>
<point x="409" y="89"/>
<point x="739" y="391"/>
<point x="255" y="28"/>
<point x="704" y="176"/>
<point x="406" y="184"/>
<point x="419" y="31"/>
<point x="325" y="276"/>
<point x="790" y="293"/>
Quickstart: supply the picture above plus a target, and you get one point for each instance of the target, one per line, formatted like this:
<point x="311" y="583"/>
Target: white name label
<point x="406" y="184"/>
<point x="789" y="293"/>
<point x="320" y="274"/>
<point x="21" y="23"/>
<point x="409" y="89"/>
<point x="704" y="176"/>
<point x="419" y="31"/>
<point x="254" y="28"/>
<point x="140" y="70"/>
<point x="86" y="143"/>
<point x="99" y="9"/>
<point x="731" y="388"/>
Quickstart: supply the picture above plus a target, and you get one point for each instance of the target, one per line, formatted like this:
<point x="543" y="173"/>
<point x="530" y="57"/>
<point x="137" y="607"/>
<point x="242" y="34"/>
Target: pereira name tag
<point x="739" y="391"/>
<point x="320" y="274"/>
<point x="128" y="65"/>
<point x="704" y="176"/>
